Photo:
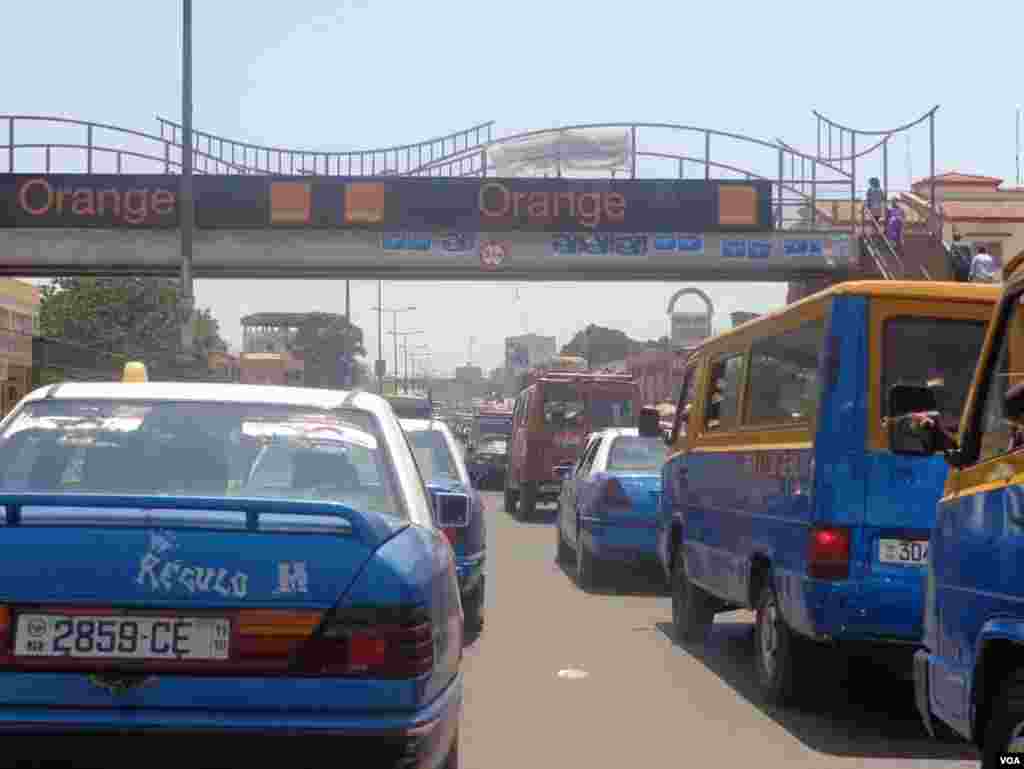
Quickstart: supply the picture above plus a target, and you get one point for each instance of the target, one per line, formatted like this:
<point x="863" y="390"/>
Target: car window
<point x="939" y="353"/>
<point x="998" y="435"/>
<point x="611" y="411"/>
<point x="636" y="454"/>
<point x="433" y="456"/>
<point x="783" y="383"/>
<point x="722" y="407"/>
<point x="199" y="449"/>
<point x="687" y="395"/>
<point x="588" y="460"/>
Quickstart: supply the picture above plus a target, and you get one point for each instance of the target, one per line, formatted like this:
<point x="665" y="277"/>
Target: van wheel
<point x="692" y="608"/>
<point x="527" y="501"/>
<point x="473" y="612"/>
<point x="1005" y="730"/>
<point x="510" y="500"/>
<point x="776" y="648"/>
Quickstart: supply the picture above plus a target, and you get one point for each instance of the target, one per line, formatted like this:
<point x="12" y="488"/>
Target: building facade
<point x="19" y="324"/>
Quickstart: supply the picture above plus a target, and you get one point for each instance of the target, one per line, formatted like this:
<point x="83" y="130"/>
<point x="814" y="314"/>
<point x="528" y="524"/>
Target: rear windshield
<point x="611" y="411"/>
<point x="637" y="454"/>
<point x="433" y="456"/>
<point x="932" y="352"/>
<point x="199" y="449"/>
<point x="563" y="405"/>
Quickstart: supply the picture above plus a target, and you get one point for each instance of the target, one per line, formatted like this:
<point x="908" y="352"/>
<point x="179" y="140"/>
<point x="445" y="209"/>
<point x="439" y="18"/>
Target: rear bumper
<point x="620" y="541"/>
<point x="416" y="737"/>
<point x="874" y="611"/>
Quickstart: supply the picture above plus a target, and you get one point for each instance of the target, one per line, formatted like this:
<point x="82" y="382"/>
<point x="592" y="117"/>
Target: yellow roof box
<point x="134" y="371"/>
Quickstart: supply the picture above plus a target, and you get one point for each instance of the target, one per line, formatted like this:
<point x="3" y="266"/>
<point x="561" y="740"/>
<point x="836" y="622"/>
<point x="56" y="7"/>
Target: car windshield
<point x="433" y="456"/>
<point x="611" y="411"/>
<point x="936" y="353"/>
<point x="636" y="454"/>
<point x="198" y="449"/>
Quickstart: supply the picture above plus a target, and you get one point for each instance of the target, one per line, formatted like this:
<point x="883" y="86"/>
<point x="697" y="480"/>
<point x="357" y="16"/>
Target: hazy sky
<point x="326" y="75"/>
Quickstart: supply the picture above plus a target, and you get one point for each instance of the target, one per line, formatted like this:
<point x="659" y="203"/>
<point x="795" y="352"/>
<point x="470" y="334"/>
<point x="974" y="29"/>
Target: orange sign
<point x="737" y="206"/>
<point x="290" y="203"/>
<point x="364" y="203"/>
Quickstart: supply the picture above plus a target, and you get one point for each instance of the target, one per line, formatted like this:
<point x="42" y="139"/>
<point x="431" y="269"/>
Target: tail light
<point x="614" y="496"/>
<point x="829" y="554"/>
<point x="272" y="635"/>
<point x="371" y="642"/>
<point x="452" y="534"/>
<point x="6" y="630"/>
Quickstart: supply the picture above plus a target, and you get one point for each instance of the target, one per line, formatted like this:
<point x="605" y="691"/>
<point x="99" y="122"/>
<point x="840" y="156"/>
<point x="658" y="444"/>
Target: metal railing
<point x="95" y="143"/>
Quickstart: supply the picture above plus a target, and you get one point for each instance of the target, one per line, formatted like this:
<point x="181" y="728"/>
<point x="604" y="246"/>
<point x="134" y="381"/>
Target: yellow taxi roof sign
<point x="134" y="371"/>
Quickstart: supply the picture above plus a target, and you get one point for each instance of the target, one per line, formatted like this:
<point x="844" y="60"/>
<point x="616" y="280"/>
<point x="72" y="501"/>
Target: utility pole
<point x="394" y="311"/>
<point x="186" y="202"/>
<point x="348" y="336"/>
<point x="378" y="365"/>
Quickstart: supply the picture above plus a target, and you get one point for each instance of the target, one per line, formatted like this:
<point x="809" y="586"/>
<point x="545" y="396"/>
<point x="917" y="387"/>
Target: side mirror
<point x="903" y="438"/>
<point x="563" y="472"/>
<point x="1013" y="403"/>
<point x="451" y="511"/>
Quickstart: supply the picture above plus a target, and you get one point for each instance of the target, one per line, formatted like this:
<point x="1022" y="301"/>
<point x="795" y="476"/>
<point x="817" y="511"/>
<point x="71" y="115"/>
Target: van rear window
<point x="611" y="411"/>
<point x="563" y="405"/>
<point x="636" y="454"/>
<point x="940" y="353"/>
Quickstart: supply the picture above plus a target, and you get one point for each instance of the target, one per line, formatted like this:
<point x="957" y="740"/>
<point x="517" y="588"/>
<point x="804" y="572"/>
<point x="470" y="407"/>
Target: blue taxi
<point x="444" y="470"/>
<point x="186" y="558"/>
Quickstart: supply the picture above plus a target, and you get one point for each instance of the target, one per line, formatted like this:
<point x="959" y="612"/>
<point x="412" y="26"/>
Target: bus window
<point x="724" y="393"/>
<point x="563" y="405"/>
<point x="783" y="385"/>
<point x="931" y="352"/>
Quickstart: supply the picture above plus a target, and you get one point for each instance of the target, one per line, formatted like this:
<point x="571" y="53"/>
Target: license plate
<point x="551" y="487"/>
<point x="122" y="637"/>
<point x="903" y="551"/>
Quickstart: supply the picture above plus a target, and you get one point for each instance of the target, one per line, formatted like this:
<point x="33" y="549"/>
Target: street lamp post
<point x="186" y="211"/>
<point x="394" y="310"/>
<point x="405" y="350"/>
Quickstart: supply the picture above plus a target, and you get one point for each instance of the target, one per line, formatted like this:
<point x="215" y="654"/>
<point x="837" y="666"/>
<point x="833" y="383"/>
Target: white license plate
<point x="903" y="551"/>
<point x="122" y="637"/>
<point x="551" y="487"/>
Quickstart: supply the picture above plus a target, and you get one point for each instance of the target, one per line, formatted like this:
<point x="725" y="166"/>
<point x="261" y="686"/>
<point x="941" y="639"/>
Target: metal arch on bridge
<point x="272" y="212"/>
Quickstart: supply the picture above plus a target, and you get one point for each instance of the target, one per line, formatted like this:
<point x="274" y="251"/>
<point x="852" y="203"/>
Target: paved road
<point x="646" y="701"/>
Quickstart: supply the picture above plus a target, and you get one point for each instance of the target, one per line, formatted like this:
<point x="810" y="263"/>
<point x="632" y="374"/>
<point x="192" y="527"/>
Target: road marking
<point x="573" y="674"/>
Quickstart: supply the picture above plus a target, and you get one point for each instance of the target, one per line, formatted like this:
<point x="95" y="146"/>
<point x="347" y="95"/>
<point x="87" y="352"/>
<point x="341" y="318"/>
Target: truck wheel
<point x="692" y="609"/>
<point x="1005" y="731"/>
<point x="776" y="648"/>
<point x="564" y="552"/>
<point x="527" y="501"/>
<point x="510" y="500"/>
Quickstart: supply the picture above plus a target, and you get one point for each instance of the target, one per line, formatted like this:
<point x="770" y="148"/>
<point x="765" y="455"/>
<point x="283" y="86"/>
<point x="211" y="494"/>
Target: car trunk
<point x="97" y="589"/>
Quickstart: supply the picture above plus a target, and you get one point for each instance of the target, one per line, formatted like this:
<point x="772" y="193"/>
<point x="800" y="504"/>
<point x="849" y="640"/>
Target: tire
<point x="527" y="502"/>
<point x="473" y="612"/>
<point x="452" y="761"/>
<point x="692" y="608"/>
<point x="587" y="567"/>
<point x="776" y="648"/>
<point x="510" y="500"/>
<point x="1006" y="720"/>
<point x="564" y="553"/>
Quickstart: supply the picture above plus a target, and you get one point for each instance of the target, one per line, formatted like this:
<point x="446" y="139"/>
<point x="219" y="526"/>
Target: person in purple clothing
<point x="894" y="225"/>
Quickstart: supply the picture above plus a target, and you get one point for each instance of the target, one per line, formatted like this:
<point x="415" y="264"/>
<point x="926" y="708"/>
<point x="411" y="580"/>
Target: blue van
<point x="780" y="492"/>
<point x="970" y="675"/>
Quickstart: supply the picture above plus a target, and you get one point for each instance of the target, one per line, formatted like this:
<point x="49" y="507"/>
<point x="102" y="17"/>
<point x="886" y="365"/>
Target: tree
<point x="321" y="341"/>
<point x="600" y="345"/>
<point x="137" y="317"/>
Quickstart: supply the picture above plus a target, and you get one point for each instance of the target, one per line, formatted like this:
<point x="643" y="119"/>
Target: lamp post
<point x="394" y="310"/>
<point x="186" y="203"/>
<point x="405" y="349"/>
<point x="418" y="352"/>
